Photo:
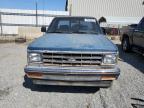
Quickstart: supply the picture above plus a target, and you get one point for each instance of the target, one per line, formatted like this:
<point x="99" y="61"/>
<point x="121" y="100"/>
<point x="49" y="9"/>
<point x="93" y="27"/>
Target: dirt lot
<point x="126" y="92"/>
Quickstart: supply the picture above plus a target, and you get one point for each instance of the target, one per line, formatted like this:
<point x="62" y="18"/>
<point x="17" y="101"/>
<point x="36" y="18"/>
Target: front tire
<point x="27" y="82"/>
<point x="126" y="45"/>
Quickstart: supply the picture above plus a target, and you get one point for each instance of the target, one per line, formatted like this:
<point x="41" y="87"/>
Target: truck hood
<point x="73" y="42"/>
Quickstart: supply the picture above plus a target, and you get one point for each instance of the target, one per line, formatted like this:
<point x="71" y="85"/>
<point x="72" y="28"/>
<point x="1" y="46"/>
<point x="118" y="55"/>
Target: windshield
<point x="74" y="25"/>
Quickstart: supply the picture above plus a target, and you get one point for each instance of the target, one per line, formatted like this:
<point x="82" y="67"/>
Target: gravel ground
<point x="126" y="92"/>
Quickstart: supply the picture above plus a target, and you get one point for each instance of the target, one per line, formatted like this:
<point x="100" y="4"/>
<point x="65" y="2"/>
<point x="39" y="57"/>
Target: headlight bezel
<point x="110" y="59"/>
<point x="34" y="57"/>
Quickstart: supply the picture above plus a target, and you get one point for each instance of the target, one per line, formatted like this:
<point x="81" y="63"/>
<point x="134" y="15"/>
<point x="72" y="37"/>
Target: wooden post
<point x="1" y="24"/>
<point x="36" y="15"/>
<point x="70" y="9"/>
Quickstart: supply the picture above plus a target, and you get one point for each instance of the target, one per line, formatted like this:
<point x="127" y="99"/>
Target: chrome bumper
<point x="76" y="76"/>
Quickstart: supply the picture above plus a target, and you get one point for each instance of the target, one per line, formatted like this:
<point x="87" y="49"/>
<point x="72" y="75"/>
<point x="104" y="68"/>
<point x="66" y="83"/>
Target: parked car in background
<point x="73" y="52"/>
<point x="133" y="38"/>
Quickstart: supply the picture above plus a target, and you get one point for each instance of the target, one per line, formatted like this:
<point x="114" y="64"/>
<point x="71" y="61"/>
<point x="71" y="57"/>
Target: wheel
<point x="126" y="45"/>
<point x="27" y="82"/>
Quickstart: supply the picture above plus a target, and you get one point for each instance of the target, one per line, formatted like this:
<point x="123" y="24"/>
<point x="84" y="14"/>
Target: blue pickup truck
<point x="72" y="52"/>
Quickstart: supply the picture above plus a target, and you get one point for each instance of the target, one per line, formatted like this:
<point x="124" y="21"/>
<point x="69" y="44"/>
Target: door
<point x="138" y="35"/>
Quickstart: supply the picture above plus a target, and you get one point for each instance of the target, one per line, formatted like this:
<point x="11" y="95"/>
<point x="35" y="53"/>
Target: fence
<point x="14" y="21"/>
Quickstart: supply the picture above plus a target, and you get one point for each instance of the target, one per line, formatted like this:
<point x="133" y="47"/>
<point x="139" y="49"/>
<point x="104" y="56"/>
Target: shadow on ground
<point x="137" y="104"/>
<point x="62" y="89"/>
<point x="132" y="58"/>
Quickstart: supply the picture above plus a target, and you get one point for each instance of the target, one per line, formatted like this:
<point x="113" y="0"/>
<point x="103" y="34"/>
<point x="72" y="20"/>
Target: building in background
<point x="116" y="12"/>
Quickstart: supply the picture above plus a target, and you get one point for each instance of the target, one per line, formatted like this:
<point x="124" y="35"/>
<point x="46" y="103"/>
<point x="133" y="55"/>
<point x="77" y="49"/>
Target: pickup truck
<point x="133" y="38"/>
<point x="72" y="52"/>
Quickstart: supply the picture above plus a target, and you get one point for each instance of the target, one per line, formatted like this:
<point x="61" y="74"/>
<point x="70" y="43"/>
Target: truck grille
<point x="72" y="59"/>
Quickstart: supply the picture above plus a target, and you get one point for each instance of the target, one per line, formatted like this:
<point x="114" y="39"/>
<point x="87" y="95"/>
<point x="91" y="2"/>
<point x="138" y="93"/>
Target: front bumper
<point x="75" y="76"/>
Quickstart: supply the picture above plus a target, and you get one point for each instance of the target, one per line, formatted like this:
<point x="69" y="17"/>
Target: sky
<point x="30" y="4"/>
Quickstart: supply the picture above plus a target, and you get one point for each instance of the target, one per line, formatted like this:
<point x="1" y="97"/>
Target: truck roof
<point x="75" y="17"/>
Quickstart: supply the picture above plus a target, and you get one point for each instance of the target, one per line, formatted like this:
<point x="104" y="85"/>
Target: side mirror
<point x="43" y="29"/>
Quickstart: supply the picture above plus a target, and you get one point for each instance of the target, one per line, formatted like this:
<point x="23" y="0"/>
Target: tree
<point x="102" y="19"/>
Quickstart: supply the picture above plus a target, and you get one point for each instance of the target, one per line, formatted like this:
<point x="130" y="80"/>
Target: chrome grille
<point x="71" y="59"/>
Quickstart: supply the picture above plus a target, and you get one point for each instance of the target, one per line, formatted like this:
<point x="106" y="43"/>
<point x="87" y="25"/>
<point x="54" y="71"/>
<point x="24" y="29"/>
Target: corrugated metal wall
<point x="106" y="8"/>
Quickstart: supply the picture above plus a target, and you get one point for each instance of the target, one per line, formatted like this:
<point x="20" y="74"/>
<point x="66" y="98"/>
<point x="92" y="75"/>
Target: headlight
<point x="110" y="59"/>
<point x="34" y="57"/>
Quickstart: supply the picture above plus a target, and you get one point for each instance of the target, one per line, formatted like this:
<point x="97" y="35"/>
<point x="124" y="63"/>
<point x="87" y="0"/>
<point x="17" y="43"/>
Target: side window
<point x="141" y="25"/>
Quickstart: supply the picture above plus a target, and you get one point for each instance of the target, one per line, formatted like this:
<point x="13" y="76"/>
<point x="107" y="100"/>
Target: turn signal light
<point x="34" y="75"/>
<point x="108" y="78"/>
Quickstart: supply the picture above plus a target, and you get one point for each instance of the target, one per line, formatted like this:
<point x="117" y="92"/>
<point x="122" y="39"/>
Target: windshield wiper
<point x="82" y="32"/>
<point x="57" y="32"/>
<point x="93" y="32"/>
<point x="79" y="32"/>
